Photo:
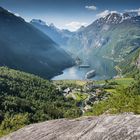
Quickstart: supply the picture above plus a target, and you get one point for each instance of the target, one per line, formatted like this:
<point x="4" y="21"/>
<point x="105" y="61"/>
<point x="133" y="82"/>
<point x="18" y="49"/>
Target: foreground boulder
<point x="105" y="127"/>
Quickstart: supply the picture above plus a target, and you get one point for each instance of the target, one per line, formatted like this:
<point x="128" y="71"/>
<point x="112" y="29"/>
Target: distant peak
<point x="52" y="25"/>
<point x="115" y="17"/>
<point x="39" y="21"/>
<point x="81" y="28"/>
<point x="132" y="14"/>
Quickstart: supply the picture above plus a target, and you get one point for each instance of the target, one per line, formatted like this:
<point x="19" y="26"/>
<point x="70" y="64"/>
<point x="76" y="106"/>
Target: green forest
<point x="26" y="99"/>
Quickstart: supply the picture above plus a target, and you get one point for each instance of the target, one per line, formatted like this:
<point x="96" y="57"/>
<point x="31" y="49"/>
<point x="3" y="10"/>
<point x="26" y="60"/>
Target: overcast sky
<point x="70" y="14"/>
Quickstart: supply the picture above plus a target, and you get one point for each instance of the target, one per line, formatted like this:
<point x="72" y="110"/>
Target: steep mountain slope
<point x="109" y="127"/>
<point x="108" y="41"/>
<point x="59" y="36"/>
<point x="24" y="47"/>
<point x="130" y="66"/>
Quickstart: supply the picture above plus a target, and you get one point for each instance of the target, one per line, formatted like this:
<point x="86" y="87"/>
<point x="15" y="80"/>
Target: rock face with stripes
<point x="105" y="127"/>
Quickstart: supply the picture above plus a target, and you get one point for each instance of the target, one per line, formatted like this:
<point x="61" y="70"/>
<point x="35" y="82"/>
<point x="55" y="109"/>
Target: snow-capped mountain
<point x="116" y="18"/>
<point x="59" y="36"/>
<point x="114" y="37"/>
<point x="132" y="14"/>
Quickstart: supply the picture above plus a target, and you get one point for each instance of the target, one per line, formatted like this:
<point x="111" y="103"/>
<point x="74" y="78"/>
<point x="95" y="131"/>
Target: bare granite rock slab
<point x="105" y="127"/>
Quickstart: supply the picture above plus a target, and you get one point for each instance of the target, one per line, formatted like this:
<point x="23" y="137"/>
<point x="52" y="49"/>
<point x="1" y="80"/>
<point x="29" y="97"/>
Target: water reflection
<point x="75" y="73"/>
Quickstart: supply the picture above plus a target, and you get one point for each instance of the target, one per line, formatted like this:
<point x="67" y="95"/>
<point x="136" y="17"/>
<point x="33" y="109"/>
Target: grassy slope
<point x="121" y="99"/>
<point x="128" y="66"/>
<point x="125" y="98"/>
<point x="80" y="96"/>
<point x="25" y="99"/>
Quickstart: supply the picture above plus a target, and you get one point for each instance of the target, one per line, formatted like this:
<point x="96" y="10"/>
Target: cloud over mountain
<point x="74" y="25"/>
<point x="91" y="7"/>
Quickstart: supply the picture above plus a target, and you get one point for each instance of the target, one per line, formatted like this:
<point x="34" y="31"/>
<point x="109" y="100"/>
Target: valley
<point x="84" y="82"/>
<point x="26" y="98"/>
<point x="51" y="52"/>
<point x="104" y="69"/>
<point x="91" y="92"/>
<point x="28" y="49"/>
<point x="105" y="44"/>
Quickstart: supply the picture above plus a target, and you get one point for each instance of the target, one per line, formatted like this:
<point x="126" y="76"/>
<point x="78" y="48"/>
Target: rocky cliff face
<point x="105" y="127"/>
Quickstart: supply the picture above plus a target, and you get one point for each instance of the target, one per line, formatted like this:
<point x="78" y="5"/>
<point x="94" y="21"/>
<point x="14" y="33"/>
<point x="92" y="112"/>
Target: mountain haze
<point x="24" y="47"/>
<point x="105" y="44"/>
<point x="108" y="42"/>
<point x="59" y="36"/>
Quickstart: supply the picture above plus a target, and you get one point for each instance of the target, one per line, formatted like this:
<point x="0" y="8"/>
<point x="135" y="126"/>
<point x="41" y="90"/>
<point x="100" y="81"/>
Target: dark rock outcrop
<point x="105" y="127"/>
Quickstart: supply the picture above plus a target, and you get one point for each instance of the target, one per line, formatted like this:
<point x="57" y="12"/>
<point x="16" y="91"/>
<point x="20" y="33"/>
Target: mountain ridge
<point x="22" y="45"/>
<point x="59" y="36"/>
<point x="104" y="37"/>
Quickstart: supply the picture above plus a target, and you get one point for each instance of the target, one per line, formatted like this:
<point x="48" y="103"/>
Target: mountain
<point x="109" y="127"/>
<point x="59" y="36"/>
<point x="108" y="42"/>
<point x="25" y="48"/>
<point x="93" y="36"/>
<point x="132" y="14"/>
